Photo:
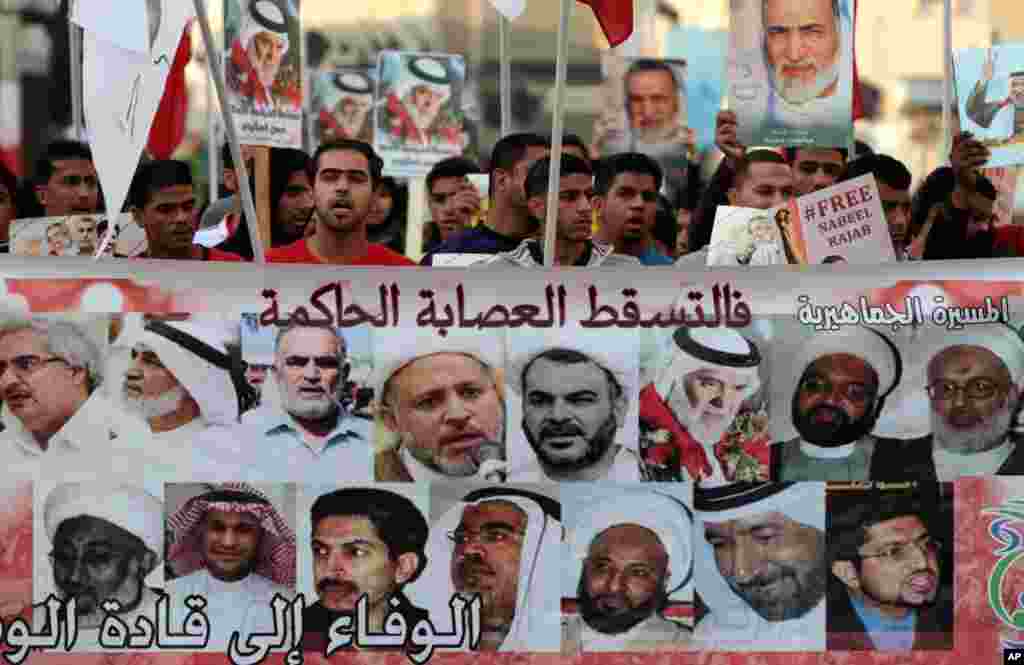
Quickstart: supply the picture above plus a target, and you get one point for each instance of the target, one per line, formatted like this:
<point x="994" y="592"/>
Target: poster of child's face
<point x="76" y="235"/>
<point x="342" y="101"/>
<point x="263" y="70"/>
<point x="420" y="120"/>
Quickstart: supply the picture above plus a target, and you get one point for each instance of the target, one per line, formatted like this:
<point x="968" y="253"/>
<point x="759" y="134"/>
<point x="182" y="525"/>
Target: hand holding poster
<point x="990" y="83"/>
<point x="263" y="70"/>
<point x="419" y="121"/>
<point x="745" y="236"/>
<point x="791" y="71"/>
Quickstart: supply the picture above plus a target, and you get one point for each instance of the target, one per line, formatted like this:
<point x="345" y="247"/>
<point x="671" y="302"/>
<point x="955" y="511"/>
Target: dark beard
<point x="597" y="446"/>
<point x="833" y="435"/>
<point x="810" y="587"/>
<point x="622" y="621"/>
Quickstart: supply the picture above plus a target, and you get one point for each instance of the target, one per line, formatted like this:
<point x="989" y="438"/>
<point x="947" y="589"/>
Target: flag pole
<point x="505" y="75"/>
<point x="75" y="46"/>
<point x="947" y="78"/>
<point x="217" y="72"/>
<point x="554" y="178"/>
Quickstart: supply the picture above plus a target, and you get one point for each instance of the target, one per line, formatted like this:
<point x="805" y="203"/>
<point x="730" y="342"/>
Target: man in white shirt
<point x="232" y="547"/>
<point x="106" y="540"/>
<point x="762" y="567"/>
<point x="574" y="401"/>
<point x="308" y="435"/>
<point x="634" y="550"/>
<point x="844" y="381"/>
<point x="441" y="399"/>
<point x="707" y="375"/>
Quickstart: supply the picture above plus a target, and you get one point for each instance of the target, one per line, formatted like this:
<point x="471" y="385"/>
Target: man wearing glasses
<point x="886" y="591"/>
<point x="974" y="379"/>
<point x="307" y="433"/>
<point x="845" y="378"/>
<point x="106" y="541"/>
<point x="504" y="545"/>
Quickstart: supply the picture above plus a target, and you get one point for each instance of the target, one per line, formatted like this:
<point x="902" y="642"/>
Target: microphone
<point x="490" y="457"/>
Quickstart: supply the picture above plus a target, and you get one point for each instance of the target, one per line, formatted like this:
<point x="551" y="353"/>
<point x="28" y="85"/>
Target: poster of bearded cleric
<point x="419" y="120"/>
<point x="703" y="405"/>
<point x="990" y="87"/>
<point x="645" y="111"/>
<point x="263" y="70"/>
<point x="342" y="104"/>
<point x="791" y="72"/>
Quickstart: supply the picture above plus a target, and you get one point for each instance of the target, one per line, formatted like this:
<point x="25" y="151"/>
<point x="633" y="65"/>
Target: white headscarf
<point x="210" y="386"/>
<point x="130" y="508"/>
<point x="661" y="513"/>
<point x="273" y="11"/>
<point x="537" y="623"/>
<point x="1000" y="339"/>
<point x="731" y="622"/>
<point x="678" y="363"/>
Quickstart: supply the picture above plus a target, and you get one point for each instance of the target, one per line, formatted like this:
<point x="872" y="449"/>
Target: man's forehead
<point x="639" y="181"/>
<point x="437" y="370"/>
<point x="896" y="529"/>
<point x="344" y="528"/>
<point x="841" y="363"/>
<point x="69" y="166"/>
<point x="344" y="160"/>
<point x="447" y="185"/>
<point x="533" y="153"/>
<point x="650" y="78"/>
<point x="86" y="529"/>
<point x="798" y="12"/>
<point x="309" y="339"/>
<point x="172" y="194"/>
<point x="891" y="194"/>
<point x="495" y="510"/>
<point x="770" y="173"/>
<point x="564" y="377"/>
<point x="752" y="522"/>
<point x="576" y="182"/>
<point x="269" y="37"/>
<point x="965" y="357"/>
<point x="26" y="338"/>
<point x="231" y="517"/>
<point x="624" y="539"/>
<point x="726" y="374"/>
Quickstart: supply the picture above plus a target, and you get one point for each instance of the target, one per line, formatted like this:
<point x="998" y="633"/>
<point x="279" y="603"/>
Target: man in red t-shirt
<point x="163" y="203"/>
<point x="344" y="173"/>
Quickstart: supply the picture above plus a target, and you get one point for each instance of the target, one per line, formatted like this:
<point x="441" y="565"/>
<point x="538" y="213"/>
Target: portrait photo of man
<point x="984" y="112"/>
<point x="890" y="587"/>
<point x="421" y="102"/>
<point x="58" y="240"/>
<point x="762" y="566"/>
<point x="105" y="541"/>
<point x="630" y="568"/>
<point x="345" y="104"/>
<point x="700" y="417"/>
<point x="84" y="234"/>
<point x="503" y="543"/>
<point x="262" y="70"/>
<point x="742" y="242"/>
<point x="575" y="396"/>
<point x="440" y="406"/>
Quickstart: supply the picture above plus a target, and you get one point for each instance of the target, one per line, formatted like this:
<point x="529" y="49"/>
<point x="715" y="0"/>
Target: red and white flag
<point x="614" y="16"/>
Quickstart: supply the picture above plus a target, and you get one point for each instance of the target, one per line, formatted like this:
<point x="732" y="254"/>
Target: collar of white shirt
<point x="88" y="426"/>
<point x="274" y="421"/>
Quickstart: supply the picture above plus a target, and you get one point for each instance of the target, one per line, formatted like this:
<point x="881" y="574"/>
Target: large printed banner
<point x="374" y="466"/>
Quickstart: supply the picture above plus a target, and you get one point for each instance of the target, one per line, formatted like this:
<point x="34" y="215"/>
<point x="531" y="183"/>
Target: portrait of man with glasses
<point x="973" y="387"/>
<point x="891" y="582"/>
<point x="840" y="391"/>
<point x="306" y="430"/>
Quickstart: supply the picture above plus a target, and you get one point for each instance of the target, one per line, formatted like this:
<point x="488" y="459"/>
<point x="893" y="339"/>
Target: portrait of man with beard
<point x="575" y="396"/>
<point x="891" y="587"/>
<point x="106" y="541"/>
<point x="761" y="566"/>
<point x="633" y="549"/>
<point x="845" y="378"/>
<point x="367" y="543"/>
<point x="973" y="386"/>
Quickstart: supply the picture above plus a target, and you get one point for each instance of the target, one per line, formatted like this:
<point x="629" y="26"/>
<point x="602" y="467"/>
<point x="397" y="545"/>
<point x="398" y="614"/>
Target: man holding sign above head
<point x="508" y="220"/>
<point x="574" y="245"/>
<point x="106" y="541"/>
<point x="443" y="400"/>
<point x="367" y="545"/>
<point x="344" y="174"/>
<point x="257" y="54"/>
<point x="233" y="548"/>
<point x="845" y="378"/>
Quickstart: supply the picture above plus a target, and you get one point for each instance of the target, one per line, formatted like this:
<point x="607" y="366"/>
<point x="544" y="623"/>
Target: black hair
<point x="985" y="187"/>
<point x="397" y="520"/>
<point x="284" y="163"/>
<point x="939" y="184"/>
<point x="648" y="65"/>
<point x="575" y="141"/>
<point x="391" y="232"/>
<point x="834" y="258"/>
<point x="887" y="170"/>
<point x="791" y="152"/>
<point x="512" y="149"/>
<point x="537" y="179"/>
<point x="226" y="160"/>
<point x="626" y="162"/>
<point x="551" y="507"/>
<point x="10" y="182"/>
<point x="155" y="175"/>
<point x="562" y="356"/>
<point x="851" y="513"/>
<point x="861" y="149"/>
<point x="744" y="164"/>
<point x="453" y="167"/>
<point x="57" y="151"/>
<point x="376" y="164"/>
<point x="666" y="226"/>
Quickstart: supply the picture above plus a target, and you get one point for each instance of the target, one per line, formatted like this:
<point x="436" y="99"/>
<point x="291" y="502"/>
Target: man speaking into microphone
<point x="440" y="406"/>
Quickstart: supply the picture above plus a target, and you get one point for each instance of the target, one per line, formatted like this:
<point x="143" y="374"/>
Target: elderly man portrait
<point x="366" y="542"/>
<point x="233" y="547"/>
<point x="890" y="589"/>
<point x="701" y="382"/>
<point x="807" y="49"/>
<point x="973" y="386"/>
<point x="441" y="401"/>
<point x="983" y="113"/>
<point x="504" y="544"/>
<point x="843" y="382"/>
<point x="575" y="397"/>
<point x="306" y="433"/>
<point x="634" y="550"/>
<point x="258" y="53"/>
<point x="762" y="567"/>
<point x="106" y="539"/>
